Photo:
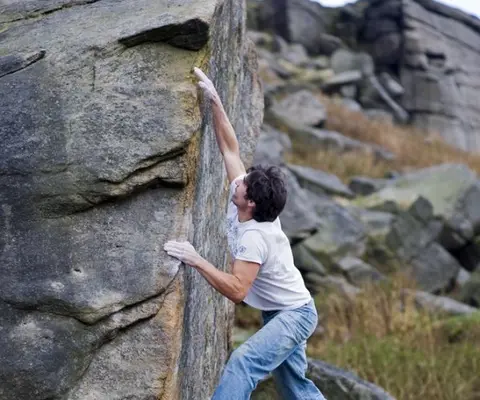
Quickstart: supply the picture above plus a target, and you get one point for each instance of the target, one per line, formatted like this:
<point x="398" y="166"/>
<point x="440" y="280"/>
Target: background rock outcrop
<point x="435" y="51"/>
<point x="104" y="157"/>
<point x="425" y="58"/>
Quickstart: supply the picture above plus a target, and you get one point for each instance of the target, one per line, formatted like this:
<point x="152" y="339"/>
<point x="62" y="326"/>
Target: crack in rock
<point x="39" y="11"/>
<point x="12" y="63"/>
<point x="191" y="35"/>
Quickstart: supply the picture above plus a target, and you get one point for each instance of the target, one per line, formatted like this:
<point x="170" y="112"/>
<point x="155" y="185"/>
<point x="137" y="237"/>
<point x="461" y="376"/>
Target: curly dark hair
<point x="266" y="187"/>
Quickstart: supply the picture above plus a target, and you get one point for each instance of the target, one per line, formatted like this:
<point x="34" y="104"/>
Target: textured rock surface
<point x="435" y="50"/>
<point x="104" y="157"/>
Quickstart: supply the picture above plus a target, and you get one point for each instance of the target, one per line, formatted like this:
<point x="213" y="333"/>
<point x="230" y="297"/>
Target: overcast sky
<point x="470" y="6"/>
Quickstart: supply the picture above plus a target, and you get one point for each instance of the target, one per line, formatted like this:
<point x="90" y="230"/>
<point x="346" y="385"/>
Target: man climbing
<point x="263" y="276"/>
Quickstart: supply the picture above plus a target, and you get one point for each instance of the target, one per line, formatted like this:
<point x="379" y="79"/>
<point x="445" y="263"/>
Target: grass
<point x="383" y="338"/>
<point x="413" y="149"/>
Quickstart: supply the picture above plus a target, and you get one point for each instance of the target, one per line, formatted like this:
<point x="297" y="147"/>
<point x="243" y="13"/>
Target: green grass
<point x="383" y="338"/>
<point x="410" y="369"/>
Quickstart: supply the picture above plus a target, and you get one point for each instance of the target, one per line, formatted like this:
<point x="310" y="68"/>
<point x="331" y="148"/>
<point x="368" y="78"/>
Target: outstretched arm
<point x="226" y="138"/>
<point x="234" y="286"/>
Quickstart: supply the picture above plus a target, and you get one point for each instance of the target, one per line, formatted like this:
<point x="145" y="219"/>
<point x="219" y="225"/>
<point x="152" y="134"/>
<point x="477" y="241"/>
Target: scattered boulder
<point x="357" y="271"/>
<point x="319" y="62"/>
<point x="334" y="383"/>
<point x="463" y="277"/>
<point x="377" y="223"/>
<point x="349" y="91"/>
<point x="412" y="238"/>
<point x="328" y="44"/>
<point x="365" y="186"/>
<point x="299" y="219"/>
<point x="295" y="54"/>
<point x="342" y="79"/>
<point x="320" y="182"/>
<point x="282" y="68"/>
<point x="332" y="283"/>
<point x="453" y="191"/>
<point x="339" y="234"/>
<point x="345" y="60"/>
<point x="337" y="384"/>
<point x="261" y="39"/>
<point x="440" y="304"/>
<point x="322" y="139"/>
<point x="314" y="77"/>
<point x="302" y="107"/>
<point x="271" y="146"/>
<point x="306" y="262"/>
<point x="372" y="90"/>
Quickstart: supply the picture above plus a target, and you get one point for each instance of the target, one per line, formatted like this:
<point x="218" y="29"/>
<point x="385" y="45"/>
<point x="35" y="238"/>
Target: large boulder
<point x="452" y="189"/>
<point x="435" y="49"/>
<point x="299" y="219"/>
<point x="271" y="146"/>
<point x="357" y="271"/>
<point x="413" y="237"/>
<point x="303" y="107"/>
<point x="104" y="157"/>
<point x="339" y="233"/>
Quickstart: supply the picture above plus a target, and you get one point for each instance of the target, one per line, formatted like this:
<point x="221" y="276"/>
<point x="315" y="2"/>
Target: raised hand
<point x="183" y="251"/>
<point x="206" y="85"/>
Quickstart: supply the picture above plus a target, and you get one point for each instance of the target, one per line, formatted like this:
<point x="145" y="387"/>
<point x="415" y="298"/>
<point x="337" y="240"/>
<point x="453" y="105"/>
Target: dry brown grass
<point x="352" y="163"/>
<point x="413" y="149"/>
<point x="378" y="310"/>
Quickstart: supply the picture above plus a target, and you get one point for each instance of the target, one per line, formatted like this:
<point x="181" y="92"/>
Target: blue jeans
<point x="279" y="347"/>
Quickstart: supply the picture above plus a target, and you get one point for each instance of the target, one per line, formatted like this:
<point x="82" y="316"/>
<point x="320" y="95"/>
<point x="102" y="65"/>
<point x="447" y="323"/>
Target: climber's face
<point x="239" y="197"/>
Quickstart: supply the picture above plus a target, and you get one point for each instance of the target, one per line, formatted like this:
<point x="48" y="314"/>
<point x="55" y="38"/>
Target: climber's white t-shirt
<point x="279" y="284"/>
